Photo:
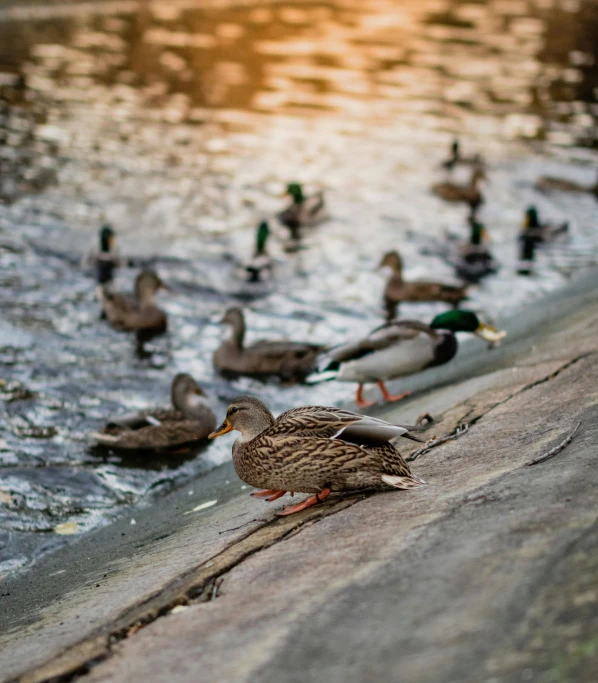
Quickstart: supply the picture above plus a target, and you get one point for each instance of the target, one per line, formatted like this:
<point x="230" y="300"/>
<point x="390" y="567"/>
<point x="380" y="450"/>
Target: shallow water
<point x="181" y="127"/>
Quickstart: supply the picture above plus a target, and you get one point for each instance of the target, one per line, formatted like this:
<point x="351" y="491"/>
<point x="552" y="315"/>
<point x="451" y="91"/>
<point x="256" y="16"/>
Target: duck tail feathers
<point x="318" y="377"/>
<point x="398" y="482"/>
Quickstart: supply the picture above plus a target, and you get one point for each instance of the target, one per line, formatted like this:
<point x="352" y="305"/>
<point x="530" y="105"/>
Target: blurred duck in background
<point x="287" y="360"/>
<point x="105" y="258"/>
<point x="397" y="290"/>
<point x="468" y="193"/>
<point x="260" y="264"/>
<point x="304" y="211"/>
<point x="138" y="313"/>
<point x="457" y="159"/>
<point x="473" y="260"/>
<point x="542" y="232"/>
<point x="398" y="349"/>
<point x="552" y="184"/>
<point x="189" y="420"/>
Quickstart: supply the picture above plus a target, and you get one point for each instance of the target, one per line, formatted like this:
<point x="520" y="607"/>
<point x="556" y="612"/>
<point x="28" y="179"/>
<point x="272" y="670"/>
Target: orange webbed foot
<point x="390" y="397"/>
<point x="269" y="495"/>
<point x="307" y="503"/>
<point x="360" y="401"/>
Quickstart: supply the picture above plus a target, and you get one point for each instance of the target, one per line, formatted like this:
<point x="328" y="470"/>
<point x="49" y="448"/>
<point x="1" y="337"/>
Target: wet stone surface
<point x="181" y="126"/>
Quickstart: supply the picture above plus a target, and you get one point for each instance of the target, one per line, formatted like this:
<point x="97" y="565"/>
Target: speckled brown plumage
<point x="190" y="421"/>
<point x="313" y="448"/>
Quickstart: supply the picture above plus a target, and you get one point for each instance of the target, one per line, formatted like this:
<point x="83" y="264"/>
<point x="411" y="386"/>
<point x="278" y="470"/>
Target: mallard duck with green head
<point x="105" y="258"/>
<point x="398" y="349"/>
<point x="314" y="449"/>
<point x="398" y="291"/>
<point x="289" y="361"/>
<point x="456" y="158"/>
<point x="260" y="263"/>
<point x="542" y="232"/>
<point x="304" y="211"/>
<point x="189" y="421"/>
<point x="474" y="260"/>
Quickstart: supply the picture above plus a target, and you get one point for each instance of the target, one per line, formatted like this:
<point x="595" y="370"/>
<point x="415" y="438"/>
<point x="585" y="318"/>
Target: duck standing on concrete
<point x="397" y="290"/>
<point x="287" y="360"/>
<point x="398" y="349"/>
<point x="303" y="211"/>
<point x="314" y="450"/>
<point x="188" y="421"/>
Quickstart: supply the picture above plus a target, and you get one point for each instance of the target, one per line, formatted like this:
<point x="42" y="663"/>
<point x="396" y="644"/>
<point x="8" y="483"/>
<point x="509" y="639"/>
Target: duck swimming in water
<point x="104" y="259"/>
<point x="314" y="449"/>
<point x="397" y="290"/>
<point x="138" y="313"/>
<point x="188" y="421"/>
<point x="469" y="193"/>
<point x="303" y="211"/>
<point x="398" y="349"/>
<point x="474" y="260"/>
<point x="287" y="360"/>
<point x="457" y="159"/>
<point x="551" y="184"/>
<point x="542" y="232"/>
<point x="260" y="263"/>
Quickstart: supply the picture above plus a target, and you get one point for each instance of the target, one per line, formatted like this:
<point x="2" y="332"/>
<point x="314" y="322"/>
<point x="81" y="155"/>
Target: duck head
<point x="248" y="415"/>
<point x="186" y="395"/>
<point x="107" y="239"/>
<point x="467" y="321"/>
<point x="147" y="283"/>
<point x="235" y="319"/>
<point x="262" y="234"/>
<point x="531" y="218"/>
<point x="392" y="259"/>
<point x="295" y="190"/>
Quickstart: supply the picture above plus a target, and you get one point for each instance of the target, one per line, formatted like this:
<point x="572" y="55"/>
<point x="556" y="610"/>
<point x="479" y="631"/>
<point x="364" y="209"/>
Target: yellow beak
<point x="223" y="429"/>
<point x="490" y="333"/>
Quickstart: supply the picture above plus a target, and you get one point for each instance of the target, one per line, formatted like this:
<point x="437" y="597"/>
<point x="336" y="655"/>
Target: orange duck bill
<point x="223" y="429"/>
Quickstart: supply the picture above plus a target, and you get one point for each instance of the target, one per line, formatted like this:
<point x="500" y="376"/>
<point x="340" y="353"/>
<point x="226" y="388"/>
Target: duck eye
<point x="233" y="410"/>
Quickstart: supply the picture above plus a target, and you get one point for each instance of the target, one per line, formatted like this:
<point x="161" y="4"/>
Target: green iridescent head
<point x="477" y="231"/>
<point x="106" y="238"/>
<point x="263" y="231"/>
<point x="466" y="321"/>
<point x="296" y="192"/>
<point x="532" y="219"/>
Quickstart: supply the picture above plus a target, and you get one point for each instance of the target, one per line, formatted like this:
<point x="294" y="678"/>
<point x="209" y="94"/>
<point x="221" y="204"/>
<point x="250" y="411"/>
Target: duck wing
<point x="337" y="424"/>
<point x="383" y="337"/>
<point x="142" y="418"/>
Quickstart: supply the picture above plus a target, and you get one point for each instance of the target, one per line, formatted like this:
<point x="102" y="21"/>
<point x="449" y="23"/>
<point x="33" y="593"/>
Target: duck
<point x="473" y="259"/>
<point x="188" y="421"/>
<point x="260" y="263"/>
<point x="138" y="313"/>
<point x="397" y="290"/>
<point x="552" y="184"/>
<point x="398" y="349"/>
<point x="542" y="232"/>
<point x="469" y="193"/>
<point x="456" y="158"/>
<point x="105" y="258"/>
<point x="303" y="211"/>
<point x="287" y="360"/>
<point x="314" y="449"/>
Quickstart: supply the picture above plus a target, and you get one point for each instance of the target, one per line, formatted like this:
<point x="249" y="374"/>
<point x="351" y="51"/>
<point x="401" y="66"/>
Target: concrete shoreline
<point x="420" y="584"/>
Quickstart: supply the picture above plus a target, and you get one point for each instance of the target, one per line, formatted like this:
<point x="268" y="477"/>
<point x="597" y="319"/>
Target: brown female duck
<point x="552" y="184"/>
<point x="397" y="290"/>
<point x="468" y="194"/>
<point x="138" y="313"/>
<point x="290" y="361"/>
<point x="313" y="450"/>
<point x="189" y="420"/>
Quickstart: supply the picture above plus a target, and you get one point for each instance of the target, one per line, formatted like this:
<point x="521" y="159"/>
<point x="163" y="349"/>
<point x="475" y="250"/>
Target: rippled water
<point x="181" y="126"/>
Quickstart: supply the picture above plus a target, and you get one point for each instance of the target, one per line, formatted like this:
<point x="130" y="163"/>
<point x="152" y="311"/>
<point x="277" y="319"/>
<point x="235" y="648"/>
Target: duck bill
<point x="223" y="429"/>
<point x="490" y="333"/>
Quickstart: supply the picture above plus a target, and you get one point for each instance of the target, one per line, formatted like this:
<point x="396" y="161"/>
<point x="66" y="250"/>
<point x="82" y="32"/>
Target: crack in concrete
<point x="202" y="583"/>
